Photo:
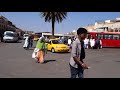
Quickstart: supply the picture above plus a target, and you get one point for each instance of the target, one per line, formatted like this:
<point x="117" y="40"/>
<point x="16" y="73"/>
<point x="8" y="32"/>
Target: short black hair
<point x="81" y="31"/>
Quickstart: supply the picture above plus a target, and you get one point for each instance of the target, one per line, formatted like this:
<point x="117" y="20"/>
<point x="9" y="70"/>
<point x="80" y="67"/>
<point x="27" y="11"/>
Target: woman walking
<point x="41" y="52"/>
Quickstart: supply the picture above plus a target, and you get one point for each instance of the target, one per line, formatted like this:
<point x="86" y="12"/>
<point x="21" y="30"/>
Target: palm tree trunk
<point x="53" y="24"/>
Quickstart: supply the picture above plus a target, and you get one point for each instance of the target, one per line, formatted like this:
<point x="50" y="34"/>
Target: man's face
<point x="83" y="36"/>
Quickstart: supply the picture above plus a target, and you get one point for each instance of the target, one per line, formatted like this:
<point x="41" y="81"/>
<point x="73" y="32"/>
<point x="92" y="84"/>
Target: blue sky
<point x="32" y="21"/>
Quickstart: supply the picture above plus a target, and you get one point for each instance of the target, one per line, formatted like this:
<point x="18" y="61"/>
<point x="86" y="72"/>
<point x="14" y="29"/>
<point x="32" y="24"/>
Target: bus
<point x="49" y="35"/>
<point x="109" y="39"/>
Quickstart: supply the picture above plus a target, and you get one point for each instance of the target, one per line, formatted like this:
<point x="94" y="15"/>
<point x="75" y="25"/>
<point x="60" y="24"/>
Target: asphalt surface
<point x="15" y="62"/>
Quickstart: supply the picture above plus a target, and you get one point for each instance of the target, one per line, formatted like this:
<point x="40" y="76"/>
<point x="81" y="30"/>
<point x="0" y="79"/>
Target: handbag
<point x="35" y="53"/>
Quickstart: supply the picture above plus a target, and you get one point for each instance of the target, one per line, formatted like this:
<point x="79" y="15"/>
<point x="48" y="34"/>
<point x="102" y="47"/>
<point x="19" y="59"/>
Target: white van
<point x="10" y="36"/>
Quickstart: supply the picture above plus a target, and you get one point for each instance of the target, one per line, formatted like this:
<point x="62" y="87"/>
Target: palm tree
<point x="53" y="17"/>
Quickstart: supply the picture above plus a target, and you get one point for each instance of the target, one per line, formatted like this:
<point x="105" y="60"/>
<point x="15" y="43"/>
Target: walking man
<point x="77" y="65"/>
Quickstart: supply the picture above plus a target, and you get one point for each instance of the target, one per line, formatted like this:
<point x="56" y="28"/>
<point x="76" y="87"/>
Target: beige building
<point x="90" y="28"/>
<point x="105" y="26"/>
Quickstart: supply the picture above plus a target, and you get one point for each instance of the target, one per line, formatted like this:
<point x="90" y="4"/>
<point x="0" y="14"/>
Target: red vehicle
<point x="109" y="39"/>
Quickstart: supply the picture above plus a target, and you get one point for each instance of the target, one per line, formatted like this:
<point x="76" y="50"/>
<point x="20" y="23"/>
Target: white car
<point x="10" y="36"/>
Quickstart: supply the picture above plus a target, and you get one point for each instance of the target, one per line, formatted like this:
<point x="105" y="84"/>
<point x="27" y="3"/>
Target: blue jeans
<point x="76" y="71"/>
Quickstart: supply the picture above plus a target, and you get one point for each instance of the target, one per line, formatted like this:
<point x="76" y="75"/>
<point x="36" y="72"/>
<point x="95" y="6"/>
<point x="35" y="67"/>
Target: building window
<point x="111" y="30"/>
<point x="116" y="30"/>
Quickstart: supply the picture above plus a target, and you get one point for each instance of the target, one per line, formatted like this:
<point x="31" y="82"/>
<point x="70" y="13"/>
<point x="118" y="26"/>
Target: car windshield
<point x="55" y="42"/>
<point x="60" y="41"/>
<point x="10" y="34"/>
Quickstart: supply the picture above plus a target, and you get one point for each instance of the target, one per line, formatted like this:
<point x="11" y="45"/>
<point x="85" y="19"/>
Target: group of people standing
<point x="93" y="43"/>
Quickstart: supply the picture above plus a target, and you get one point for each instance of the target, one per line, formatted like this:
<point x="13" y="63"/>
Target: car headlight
<point x="57" y="46"/>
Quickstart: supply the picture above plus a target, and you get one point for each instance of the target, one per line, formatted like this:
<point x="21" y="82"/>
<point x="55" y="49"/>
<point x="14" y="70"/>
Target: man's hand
<point x="85" y="66"/>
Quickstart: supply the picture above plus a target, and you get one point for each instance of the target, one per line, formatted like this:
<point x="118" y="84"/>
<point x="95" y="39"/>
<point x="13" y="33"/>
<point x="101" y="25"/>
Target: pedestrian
<point x="92" y="42"/>
<point x="26" y="43"/>
<point x="42" y="49"/>
<point x="30" y="41"/>
<point x="89" y="44"/>
<point x="69" y="42"/>
<point x="97" y="43"/>
<point x="77" y="65"/>
<point x="86" y="43"/>
<point x="100" y="47"/>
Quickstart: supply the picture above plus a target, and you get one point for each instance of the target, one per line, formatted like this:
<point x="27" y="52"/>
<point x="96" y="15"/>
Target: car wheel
<point x="53" y="50"/>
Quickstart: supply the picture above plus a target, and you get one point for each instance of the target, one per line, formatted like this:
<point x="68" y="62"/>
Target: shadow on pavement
<point x="63" y="52"/>
<point x="46" y="61"/>
<point x="15" y="42"/>
<point x="31" y="49"/>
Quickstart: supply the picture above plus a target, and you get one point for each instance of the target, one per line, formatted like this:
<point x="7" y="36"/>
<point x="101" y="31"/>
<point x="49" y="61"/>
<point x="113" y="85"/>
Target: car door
<point x="49" y="45"/>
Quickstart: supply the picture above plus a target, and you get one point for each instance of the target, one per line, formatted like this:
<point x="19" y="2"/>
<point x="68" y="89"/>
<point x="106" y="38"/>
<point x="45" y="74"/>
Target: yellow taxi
<point x="35" y="39"/>
<point x="55" y="46"/>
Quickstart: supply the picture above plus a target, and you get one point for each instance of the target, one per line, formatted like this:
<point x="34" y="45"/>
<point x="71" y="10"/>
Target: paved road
<point x="15" y="62"/>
